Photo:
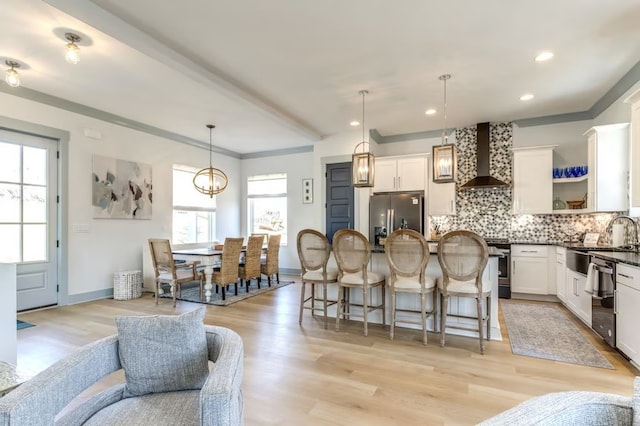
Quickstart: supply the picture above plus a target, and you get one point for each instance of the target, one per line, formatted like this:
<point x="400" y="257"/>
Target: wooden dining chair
<point x="407" y="253"/>
<point x="168" y="272"/>
<point x="270" y="266"/>
<point x="353" y="252"/>
<point x="228" y="272"/>
<point x="251" y="267"/>
<point x="463" y="256"/>
<point x="314" y="252"/>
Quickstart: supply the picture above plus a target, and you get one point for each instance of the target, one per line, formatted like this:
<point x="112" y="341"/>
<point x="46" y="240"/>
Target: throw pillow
<point x="163" y="353"/>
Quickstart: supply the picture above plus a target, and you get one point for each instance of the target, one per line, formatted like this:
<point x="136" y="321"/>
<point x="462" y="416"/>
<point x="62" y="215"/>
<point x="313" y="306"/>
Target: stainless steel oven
<point x="603" y="315"/>
<point x="504" y="266"/>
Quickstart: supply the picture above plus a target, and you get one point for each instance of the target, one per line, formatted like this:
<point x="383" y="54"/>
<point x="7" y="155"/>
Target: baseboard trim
<point x="74" y="299"/>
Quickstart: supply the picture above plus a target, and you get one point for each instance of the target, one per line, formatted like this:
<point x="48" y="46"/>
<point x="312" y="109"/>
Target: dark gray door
<point x="339" y="207"/>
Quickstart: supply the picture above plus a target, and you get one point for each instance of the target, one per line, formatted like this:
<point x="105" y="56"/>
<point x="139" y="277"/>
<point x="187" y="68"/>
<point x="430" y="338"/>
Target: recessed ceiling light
<point x="430" y="111"/>
<point x="544" y="56"/>
<point x="526" y="97"/>
<point x="354" y="123"/>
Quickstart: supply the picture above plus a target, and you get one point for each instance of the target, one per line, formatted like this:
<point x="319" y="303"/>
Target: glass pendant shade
<point x="210" y="181"/>
<point x="363" y="169"/>
<point x="72" y="53"/>
<point x="12" y="76"/>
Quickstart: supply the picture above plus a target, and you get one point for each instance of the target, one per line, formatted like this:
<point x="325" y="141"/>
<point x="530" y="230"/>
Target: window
<point x="194" y="214"/>
<point x="267" y="198"/>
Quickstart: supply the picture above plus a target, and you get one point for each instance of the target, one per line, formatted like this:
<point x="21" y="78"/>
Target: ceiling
<point x="285" y="74"/>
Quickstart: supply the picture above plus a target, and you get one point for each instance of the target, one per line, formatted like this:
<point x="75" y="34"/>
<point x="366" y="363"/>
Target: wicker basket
<point x="127" y="285"/>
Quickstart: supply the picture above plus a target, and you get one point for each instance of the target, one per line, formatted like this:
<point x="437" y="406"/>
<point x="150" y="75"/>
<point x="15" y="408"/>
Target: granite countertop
<point x="632" y="258"/>
<point x="492" y="250"/>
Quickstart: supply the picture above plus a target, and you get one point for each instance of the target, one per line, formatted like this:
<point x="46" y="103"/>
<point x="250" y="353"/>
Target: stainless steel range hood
<point x="483" y="180"/>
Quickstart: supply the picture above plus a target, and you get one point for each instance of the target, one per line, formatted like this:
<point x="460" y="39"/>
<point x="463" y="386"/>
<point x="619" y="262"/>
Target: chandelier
<point x="210" y="181"/>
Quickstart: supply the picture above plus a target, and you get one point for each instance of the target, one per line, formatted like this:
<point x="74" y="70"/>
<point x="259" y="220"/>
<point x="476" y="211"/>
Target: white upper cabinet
<point x="608" y="148"/>
<point x="400" y="174"/>
<point x="533" y="180"/>
<point x="634" y="100"/>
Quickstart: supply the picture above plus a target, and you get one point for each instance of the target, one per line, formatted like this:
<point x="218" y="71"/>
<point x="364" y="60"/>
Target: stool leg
<point x="302" y="288"/>
<point x="339" y="307"/>
<point x="324" y="294"/>
<point x="480" y="325"/>
<point x="393" y="314"/>
<point x="443" y="320"/>
<point x="488" y="317"/>
<point x="365" y="307"/>
<point x="423" y="312"/>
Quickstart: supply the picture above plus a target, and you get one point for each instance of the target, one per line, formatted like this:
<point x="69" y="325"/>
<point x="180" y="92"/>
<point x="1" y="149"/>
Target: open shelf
<point x="571" y="211"/>
<point x="571" y="180"/>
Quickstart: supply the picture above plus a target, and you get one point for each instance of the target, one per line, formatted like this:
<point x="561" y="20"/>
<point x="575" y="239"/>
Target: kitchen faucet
<point x="635" y="242"/>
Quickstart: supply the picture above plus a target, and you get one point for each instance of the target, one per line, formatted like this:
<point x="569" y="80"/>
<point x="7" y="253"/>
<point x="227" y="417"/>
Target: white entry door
<point x="29" y="216"/>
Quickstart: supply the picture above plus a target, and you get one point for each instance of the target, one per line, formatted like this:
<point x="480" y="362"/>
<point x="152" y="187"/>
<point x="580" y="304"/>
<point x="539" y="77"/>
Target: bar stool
<point x="353" y="252"/>
<point x="463" y="256"/>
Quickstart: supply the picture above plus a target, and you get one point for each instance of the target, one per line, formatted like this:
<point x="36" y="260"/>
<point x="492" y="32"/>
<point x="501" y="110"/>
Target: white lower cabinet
<point x="529" y="269"/>
<point x="628" y="316"/>
<point x="561" y="274"/>
<point x="578" y="301"/>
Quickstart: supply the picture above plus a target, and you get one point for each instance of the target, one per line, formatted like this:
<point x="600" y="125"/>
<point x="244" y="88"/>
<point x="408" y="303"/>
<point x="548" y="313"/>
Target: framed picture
<point x="444" y="163"/>
<point x="307" y="191"/>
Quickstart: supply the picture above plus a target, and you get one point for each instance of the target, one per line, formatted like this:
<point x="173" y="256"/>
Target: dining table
<point x="207" y="257"/>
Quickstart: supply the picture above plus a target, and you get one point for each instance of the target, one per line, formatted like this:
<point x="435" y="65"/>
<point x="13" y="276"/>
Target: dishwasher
<point x="603" y="318"/>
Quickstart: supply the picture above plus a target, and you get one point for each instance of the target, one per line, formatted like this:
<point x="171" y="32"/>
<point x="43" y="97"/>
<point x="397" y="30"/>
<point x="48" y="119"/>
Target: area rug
<point x="191" y="293"/>
<point x="544" y="331"/>
<point x="24" y="324"/>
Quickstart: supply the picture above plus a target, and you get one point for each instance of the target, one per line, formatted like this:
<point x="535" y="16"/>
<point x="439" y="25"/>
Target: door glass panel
<point x="10" y="202"/>
<point x="35" y="166"/>
<point x="35" y="204"/>
<point x="9" y="162"/>
<point x="35" y="243"/>
<point x="10" y="247"/>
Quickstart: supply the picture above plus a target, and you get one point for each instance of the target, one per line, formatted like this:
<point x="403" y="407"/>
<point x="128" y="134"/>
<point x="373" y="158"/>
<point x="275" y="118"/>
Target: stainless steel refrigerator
<point x="394" y="210"/>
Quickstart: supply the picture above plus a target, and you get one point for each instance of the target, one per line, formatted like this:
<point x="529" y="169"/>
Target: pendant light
<point x="445" y="159"/>
<point x="12" y="76"/>
<point x="210" y="181"/>
<point x="362" y="163"/>
<point x="72" y="51"/>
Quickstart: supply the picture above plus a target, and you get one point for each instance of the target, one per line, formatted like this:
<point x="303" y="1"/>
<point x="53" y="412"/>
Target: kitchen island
<point x="460" y="306"/>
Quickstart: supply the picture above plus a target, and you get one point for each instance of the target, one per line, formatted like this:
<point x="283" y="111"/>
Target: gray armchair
<point x="219" y="402"/>
<point x="574" y="408"/>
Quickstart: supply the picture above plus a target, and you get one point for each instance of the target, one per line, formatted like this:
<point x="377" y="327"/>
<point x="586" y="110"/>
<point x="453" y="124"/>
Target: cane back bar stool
<point x="314" y="252"/>
<point x="407" y="252"/>
<point x="353" y="252"/>
<point x="463" y="256"/>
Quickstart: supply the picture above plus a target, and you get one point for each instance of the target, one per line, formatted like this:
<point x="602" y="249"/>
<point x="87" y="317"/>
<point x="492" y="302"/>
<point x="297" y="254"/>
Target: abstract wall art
<point x="121" y="189"/>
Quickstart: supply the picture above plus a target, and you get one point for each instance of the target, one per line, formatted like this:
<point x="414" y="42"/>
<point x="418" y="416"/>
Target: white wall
<point x="113" y="245"/>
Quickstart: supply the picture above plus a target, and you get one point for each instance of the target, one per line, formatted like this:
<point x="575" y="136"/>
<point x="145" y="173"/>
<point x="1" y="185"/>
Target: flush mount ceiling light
<point x="445" y="156"/>
<point x="354" y="123"/>
<point x="526" y="97"/>
<point x="210" y="181"/>
<point x="12" y="76"/>
<point x="72" y="51"/>
<point x="430" y="111"/>
<point x="544" y="56"/>
<point x="362" y="163"/>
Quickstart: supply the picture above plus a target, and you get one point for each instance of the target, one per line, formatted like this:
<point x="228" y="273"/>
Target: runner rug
<point x="544" y="331"/>
<point x="191" y="292"/>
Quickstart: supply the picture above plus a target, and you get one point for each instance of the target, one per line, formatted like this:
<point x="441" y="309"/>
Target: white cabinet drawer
<point x="628" y="275"/>
<point x="529" y="251"/>
<point x="561" y="254"/>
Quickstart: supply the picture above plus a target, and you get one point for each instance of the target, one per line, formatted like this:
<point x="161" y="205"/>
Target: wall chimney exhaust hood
<point x="483" y="180"/>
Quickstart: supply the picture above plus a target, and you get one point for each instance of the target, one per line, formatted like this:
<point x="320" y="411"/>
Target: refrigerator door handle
<point x="393" y="220"/>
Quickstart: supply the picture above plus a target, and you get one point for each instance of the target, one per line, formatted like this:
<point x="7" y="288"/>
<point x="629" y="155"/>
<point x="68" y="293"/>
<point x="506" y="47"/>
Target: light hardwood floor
<point x="295" y="375"/>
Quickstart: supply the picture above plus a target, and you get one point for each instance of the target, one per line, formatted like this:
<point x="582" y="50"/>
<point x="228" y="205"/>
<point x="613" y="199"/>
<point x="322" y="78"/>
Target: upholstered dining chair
<point x="407" y="253"/>
<point x="168" y="272"/>
<point x="269" y="266"/>
<point x="228" y="272"/>
<point x="314" y="252"/>
<point x="463" y="256"/>
<point x="353" y="252"/>
<point x="251" y="267"/>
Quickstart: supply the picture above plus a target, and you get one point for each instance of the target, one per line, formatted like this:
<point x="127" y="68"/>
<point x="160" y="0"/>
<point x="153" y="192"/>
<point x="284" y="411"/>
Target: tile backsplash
<point x="488" y="212"/>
